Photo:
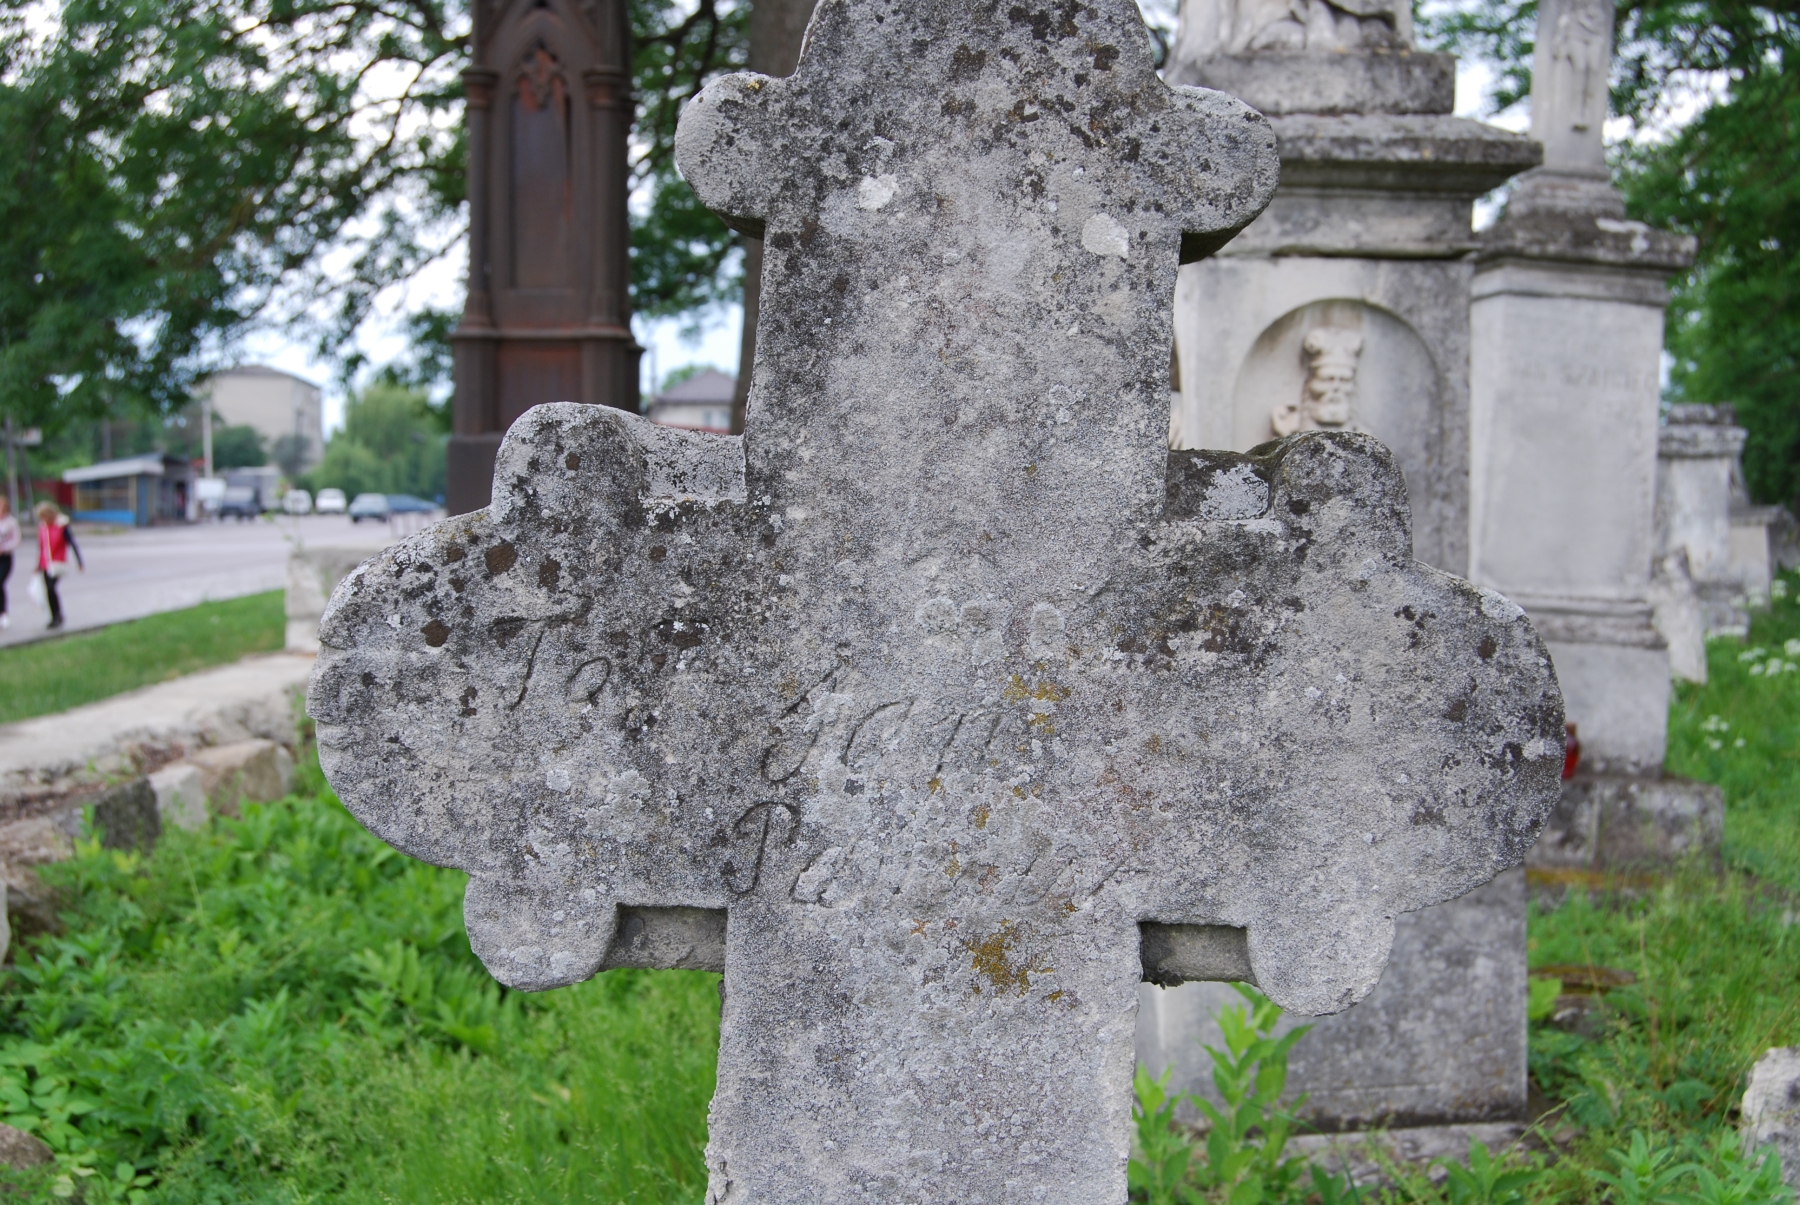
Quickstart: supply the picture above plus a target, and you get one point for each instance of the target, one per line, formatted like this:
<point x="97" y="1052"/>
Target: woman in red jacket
<point x="55" y="542"/>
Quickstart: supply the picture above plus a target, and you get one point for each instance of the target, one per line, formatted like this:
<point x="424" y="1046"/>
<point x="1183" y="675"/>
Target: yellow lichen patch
<point x="1153" y="744"/>
<point x="981" y="816"/>
<point x="789" y="687"/>
<point x="935" y="785"/>
<point x="992" y="956"/>
<point x="1042" y="722"/>
<point x="954" y="867"/>
<point x="1044" y="691"/>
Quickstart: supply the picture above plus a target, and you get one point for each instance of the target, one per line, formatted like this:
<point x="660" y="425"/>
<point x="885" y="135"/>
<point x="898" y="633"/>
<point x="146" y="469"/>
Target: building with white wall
<point x="274" y="402"/>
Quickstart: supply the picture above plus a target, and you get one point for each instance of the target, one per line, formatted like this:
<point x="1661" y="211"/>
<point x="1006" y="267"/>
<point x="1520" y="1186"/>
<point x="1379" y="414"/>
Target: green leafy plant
<point x="1159" y="1172"/>
<point x="1484" y="1180"/>
<point x="1244" y="1164"/>
<point x="1246" y="1141"/>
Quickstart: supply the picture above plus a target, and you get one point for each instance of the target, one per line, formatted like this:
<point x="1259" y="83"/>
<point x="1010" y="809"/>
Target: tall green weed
<point x="282" y="1008"/>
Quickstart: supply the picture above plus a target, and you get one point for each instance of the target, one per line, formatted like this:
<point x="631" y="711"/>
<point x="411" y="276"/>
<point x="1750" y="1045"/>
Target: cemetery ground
<point x="281" y="1008"/>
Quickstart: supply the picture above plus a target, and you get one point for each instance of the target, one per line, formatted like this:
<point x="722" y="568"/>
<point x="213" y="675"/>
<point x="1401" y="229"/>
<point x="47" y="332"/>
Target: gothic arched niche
<point x="1348" y="365"/>
<point x="542" y="175"/>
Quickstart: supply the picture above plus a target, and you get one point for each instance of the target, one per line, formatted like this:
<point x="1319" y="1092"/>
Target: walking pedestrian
<point x="9" y="543"/>
<point x="55" y="542"/>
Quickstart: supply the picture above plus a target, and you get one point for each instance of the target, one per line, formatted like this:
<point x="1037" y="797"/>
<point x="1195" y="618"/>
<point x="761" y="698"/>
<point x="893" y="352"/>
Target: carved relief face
<point x="1327" y="400"/>
<point x="1330" y="394"/>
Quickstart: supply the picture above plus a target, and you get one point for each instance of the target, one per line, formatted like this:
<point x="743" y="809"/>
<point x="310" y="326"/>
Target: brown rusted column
<point x="548" y="315"/>
<point x="474" y="430"/>
<point x="609" y="354"/>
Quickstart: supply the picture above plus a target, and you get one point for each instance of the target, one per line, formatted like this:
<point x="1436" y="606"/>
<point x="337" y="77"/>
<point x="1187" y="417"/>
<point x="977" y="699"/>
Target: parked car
<point x="297" y="502"/>
<point x="240" y="502"/>
<point x="406" y="504"/>
<point x="370" y="506"/>
<point x="329" y="502"/>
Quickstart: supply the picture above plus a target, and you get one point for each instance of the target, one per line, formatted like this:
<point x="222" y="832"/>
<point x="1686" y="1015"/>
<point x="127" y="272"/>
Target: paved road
<point x="136" y="572"/>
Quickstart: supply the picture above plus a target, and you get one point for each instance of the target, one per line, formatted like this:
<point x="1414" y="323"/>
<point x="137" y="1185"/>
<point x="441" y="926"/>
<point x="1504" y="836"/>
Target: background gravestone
<point x="1367" y="246"/>
<point x="947" y="676"/>
<point x="548" y="312"/>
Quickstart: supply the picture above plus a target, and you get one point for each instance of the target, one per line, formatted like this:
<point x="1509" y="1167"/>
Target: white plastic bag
<point x="36" y="590"/>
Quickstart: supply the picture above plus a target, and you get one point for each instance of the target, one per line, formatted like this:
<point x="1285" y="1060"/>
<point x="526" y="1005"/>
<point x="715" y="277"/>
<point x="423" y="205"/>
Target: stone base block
<point x="1441" y="1040"/>
<point x="1618" y="697"/>
<point x="1606" y="822"/>
<point x="126" y="816"/>
<point x="180" y="795"/>
<point x="257" y="770"/>
<point x="1366" y="1157"/>
<point x="1402" y="81"/>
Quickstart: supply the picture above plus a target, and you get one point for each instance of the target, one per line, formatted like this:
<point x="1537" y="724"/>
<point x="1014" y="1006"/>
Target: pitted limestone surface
<point x="947" y="675"/>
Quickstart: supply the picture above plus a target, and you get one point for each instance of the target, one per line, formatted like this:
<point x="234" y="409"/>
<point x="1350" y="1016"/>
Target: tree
<point x="1730" y="176"/>
<point x="174" y="171"/>
<point x="392" y="443"/>
<point x="238" y="448"/>
<point x="290" y="453"/>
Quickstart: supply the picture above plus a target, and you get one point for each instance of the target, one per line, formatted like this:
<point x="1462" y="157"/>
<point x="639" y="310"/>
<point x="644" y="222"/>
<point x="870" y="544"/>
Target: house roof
<point x="709" y="386"/>
<point x="262" y="370"/>
<point x="133" y="466"/>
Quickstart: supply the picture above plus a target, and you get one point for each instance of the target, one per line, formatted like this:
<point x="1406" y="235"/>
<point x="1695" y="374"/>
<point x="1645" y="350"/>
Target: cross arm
<point x="488" y="691"/>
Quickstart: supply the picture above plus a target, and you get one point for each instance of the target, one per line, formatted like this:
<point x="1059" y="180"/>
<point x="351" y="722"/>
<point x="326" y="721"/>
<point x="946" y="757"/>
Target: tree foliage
<point x="174" y="172"/>
<point x="392" y="443"/>
<point x="1730" y="176"/>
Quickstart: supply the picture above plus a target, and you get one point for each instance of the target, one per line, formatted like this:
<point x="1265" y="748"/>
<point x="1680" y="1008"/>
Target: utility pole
<point x="206" y="429"/>
<point x="12" y="469"/>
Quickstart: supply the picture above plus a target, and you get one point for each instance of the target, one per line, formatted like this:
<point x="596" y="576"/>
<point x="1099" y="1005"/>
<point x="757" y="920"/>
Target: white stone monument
<point x="1568" y="321"/>
<point x="947" y="676"/>
<point x="1565" y="381"/>
<point x="1366" y="242"/>
<point x="1346" y="306"/>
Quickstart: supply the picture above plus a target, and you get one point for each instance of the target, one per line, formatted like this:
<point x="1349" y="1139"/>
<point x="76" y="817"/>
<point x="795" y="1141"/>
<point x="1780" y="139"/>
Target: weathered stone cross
<point x="947" y="675"/>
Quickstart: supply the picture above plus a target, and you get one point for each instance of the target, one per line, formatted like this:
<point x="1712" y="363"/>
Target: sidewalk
<point x="51" y="760"/>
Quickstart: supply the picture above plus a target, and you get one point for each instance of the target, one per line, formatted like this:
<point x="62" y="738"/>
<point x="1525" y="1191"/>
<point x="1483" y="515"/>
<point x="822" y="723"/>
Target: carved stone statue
<point x="1327" y="400"/>
<point x="1569" y="84"/>
<point x="1215" y="27"/>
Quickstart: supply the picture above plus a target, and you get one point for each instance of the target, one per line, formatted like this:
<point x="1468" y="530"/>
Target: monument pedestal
<point x="1567" y="317"/>
<point x="1369" y="233"/>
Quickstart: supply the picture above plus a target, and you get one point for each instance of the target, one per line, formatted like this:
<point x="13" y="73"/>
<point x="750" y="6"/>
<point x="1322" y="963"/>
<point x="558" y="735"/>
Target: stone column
<point x="1565" y="384"/>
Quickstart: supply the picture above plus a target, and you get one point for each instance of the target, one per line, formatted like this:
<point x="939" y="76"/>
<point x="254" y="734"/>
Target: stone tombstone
<point x="1368" y="235"/>
<point x="548" y="312"/>
<point x="1698" y="448"/>
<point x="1565" y="385"/>
<point x="947" y="675"/>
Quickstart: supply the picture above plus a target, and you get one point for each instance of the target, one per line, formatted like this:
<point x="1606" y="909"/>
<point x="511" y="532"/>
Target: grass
<point x="48" y="676"/>
<point x="282" y="1009"/>
<point x="1715" y="956"/>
